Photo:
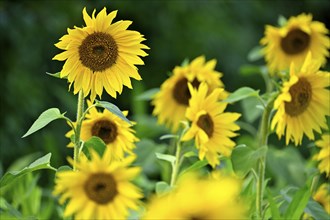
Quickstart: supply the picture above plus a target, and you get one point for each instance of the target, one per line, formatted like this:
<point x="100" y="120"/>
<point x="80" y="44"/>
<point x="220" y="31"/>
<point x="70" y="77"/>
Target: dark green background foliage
<point x="174" y="29"/>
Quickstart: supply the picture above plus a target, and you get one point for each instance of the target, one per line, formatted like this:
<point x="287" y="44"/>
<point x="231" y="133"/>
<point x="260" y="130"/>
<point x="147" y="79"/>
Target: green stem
<point x="263" y="137"/>
<point x="177" y="163"/>
<point x="80" y="110"/>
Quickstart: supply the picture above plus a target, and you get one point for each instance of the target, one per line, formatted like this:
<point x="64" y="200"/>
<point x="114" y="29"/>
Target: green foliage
<point x="95" y="143"/>
<point x="162" y="188"/>
<point x="41" y="163"/>
<point x="44" y="119"/>
<point x="242" y="93"/>
<point x="113" y="109"/>
<point x="245" y="158"/>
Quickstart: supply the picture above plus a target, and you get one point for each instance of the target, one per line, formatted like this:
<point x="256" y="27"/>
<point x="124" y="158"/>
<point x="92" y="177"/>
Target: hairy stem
<point x="80" y="110"/>
<point x="263" y="137"/>
<point x="177" y="163"/>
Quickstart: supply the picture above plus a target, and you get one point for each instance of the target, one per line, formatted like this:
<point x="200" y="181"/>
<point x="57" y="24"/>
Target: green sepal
<point x="44" y="119"/>
<point x="113" y="109"/>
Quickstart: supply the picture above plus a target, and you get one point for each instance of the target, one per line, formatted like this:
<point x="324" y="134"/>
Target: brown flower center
<point x="101" y="188"/>
<point x="106" y="130"/>
<point x="205" y="122"/>
<point x="98" y="51"/>
<point x="301" y="94"/>
<point x="181" y="91"/>
<point x="295" y="42"/>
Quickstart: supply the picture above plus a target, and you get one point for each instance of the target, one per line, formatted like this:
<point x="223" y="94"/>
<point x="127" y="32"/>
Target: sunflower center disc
<point x="101" y="188"/>
<point x="301" y="94"/>
<point x="181" y="91"/>
<point x="106" y="130"/>
<point x="98" y="51"/>
<point x="295" y="42"/>
<point x="205" y="122"/>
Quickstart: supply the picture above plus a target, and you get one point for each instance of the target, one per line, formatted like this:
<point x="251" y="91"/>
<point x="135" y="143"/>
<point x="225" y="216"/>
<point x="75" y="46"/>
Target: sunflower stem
<point x="177" y="163"/>
<point x="263" y="138"/>
<point x="80" y="110"/>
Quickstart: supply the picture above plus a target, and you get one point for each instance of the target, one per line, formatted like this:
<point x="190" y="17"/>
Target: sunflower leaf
<point x="44" y="119"/>
<point x="113" y="109"/>
<point x="242" y="93"/>
<point x="96" y="144"/>
<point x="162" y="188"/>
<point x="245" y="158"/>
<point x="56" y="75"/>
<point x="147" y="95"/>
<point x="255" y="54"/>
<point x="297" y="204"/>
<point x="281" y="20"/>
<point x="167" y="157"/>
<point x="41" y="163"/>
<point x="168" y="136"/>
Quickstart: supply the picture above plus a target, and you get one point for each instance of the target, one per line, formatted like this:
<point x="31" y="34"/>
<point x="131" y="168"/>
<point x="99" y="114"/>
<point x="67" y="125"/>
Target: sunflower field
<point x="165" y="110"/>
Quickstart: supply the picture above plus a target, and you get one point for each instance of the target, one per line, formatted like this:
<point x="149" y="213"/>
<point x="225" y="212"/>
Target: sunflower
<point x="101" y="55"/>
<point x="211" y="127"/>
<point x="322" y="196"/>
<point x="292" y="41"/>
<point x="303" y="103"/>
<point x="117" y="134"/>
<point x="99" y="189"/>
<point x="171" y="102"/>
<point x="195" y="198"/>
<point x="324" y="155"/>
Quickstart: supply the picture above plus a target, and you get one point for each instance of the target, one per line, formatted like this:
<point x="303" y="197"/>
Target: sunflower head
<point x="196" y="198"/>
<point x="101" y="55"/>
<point x="324" y="155"/>
<point x="117" y="134"/>
<point x="292" y="42"/>
<point x="322" y="196"/>
<point x="211" y="127"/>
<point x="97" y="188"/>
<point x="173" y="98"/>
<point x="303" y="103"/>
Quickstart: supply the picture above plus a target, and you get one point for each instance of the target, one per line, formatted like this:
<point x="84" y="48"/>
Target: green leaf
<point x="56" y="75"/>
<point x="250" y="110"/>
<point x="316" y="210"/>
<point x="273" y="207"/>
<point x="281" y="20"/>
<point x="145" y="151"/>
<point x="44" y="119"/>
<point x="168" y="136"/>
<point x="297" y="204"/>
<point x="8" y="211"/>
<point x="249" y="70"/>
<point x="195" y="166"/>
<point x="245" y="158"/>
<point x="162" y="188"/>
<point x="190" y="154"/>
<point x="147" y="95"/>
<point x="96" y="144"/>
<point x="41" y="163"/>
<point x="167" y="157"/>
<point x="241" y="94"/>
<point x="113" y="109"/>
<point x="255" y="54"/>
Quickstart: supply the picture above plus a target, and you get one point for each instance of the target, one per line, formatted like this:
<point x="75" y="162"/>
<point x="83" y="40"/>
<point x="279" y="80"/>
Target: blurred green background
<point x="174" y="29"/>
